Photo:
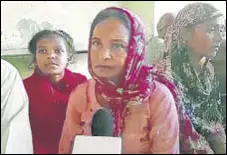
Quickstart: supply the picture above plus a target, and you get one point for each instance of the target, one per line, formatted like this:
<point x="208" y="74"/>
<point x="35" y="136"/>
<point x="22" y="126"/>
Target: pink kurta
<point x="151" y="127"/>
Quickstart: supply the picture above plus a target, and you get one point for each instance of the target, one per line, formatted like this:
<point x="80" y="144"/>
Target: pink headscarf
<point x="137" y="84"/>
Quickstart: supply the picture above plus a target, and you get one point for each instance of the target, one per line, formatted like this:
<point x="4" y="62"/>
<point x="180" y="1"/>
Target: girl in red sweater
<point x="49" y="87"/>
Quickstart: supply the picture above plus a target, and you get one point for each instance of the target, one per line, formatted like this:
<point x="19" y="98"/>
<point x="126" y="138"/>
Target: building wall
<point x="145" y="10"/>
<point x="73" y="17"/>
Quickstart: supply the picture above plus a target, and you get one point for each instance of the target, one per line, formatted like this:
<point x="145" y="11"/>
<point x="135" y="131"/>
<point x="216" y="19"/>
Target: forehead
<point x="215" y="21"/>
<point x="113" y="27"/>
<point x="52" y="39"/>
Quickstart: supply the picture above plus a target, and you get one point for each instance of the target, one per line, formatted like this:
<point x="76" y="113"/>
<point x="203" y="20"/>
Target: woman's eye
<point x="42" y="51"/>
<point x="96" y="43"/>
<point x="211" y="29"/>
<point x="118" y="46"/>
<point x="58" y="51"/>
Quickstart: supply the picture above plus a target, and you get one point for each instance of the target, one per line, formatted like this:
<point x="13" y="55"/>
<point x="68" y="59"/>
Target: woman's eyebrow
<point x="118" y="40"/>
<point x="95" y="38"/>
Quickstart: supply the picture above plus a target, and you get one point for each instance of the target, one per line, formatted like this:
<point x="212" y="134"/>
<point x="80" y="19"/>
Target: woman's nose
<point x="220" y="35"/>
<point x="106" y="54"/>
<point x="51" y="55"/>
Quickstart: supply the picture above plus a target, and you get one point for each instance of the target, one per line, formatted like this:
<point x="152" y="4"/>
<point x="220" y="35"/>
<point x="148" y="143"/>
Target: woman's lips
<point x="104" y="66"/>
<point x="51" y="64"/>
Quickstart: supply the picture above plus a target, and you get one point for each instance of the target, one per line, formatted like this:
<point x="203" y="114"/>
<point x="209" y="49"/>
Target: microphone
<point x="102" y="140"/>
<point x="102" y="123"/>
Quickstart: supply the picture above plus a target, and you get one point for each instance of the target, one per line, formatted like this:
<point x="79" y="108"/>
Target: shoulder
<point x="30" y="80"/>
<point x="6" y="65"/>
<point x="7" y="68"/>
<point x="8" y="72"/>
<point x="80" y="76"/>
<point x="161" y="91"/>
<point x="161" y="98"/>
<point x="11" y="83"/>
<point x="162" y="106"/>
<point x="83" y="88"/>
<point x="80" y="95"/>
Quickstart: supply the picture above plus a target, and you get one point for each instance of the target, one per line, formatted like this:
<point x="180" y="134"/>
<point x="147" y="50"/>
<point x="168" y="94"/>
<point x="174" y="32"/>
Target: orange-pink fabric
<point x="150" y="127"/>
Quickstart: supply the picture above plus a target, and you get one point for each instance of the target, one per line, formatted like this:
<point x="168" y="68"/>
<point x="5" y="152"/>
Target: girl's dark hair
<point x="46" y="33"/>
<point x="111" y="13"/>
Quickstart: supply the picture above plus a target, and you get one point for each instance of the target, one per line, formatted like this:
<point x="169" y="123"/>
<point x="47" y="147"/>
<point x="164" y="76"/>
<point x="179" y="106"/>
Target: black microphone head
<point x="102" y="123"/>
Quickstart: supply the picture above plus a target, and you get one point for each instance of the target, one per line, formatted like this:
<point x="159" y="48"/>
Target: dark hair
<point x="47" y="33"/>
<point x="111" y="13"/>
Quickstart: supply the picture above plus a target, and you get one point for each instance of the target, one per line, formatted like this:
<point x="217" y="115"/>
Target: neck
<point x="101" y="100"/>
<point x="116" y="80"/>
<point x="196" y="60"/>
<point x="55" y="78"/>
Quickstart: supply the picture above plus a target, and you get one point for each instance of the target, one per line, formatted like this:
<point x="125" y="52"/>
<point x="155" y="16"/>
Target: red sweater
<point x="48" y="104"/>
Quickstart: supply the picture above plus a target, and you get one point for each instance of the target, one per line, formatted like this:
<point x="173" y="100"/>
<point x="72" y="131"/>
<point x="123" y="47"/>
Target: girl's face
<point x="108" y="51"/>
<point x="205" y="39"/>
<point x="51" y="55"/>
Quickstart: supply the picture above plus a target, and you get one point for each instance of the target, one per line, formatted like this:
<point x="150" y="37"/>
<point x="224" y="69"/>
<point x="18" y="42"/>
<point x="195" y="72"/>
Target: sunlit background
<point x="20" y="20"/>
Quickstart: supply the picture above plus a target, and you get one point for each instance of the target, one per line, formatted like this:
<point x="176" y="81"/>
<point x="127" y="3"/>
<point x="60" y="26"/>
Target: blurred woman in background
<point x="196" y="35"/>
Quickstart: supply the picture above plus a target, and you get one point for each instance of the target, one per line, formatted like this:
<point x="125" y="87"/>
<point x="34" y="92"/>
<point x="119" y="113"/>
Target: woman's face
<point x="51" y="55"/>
<point x="108" y="51"/>
<point x="205" y="39"/>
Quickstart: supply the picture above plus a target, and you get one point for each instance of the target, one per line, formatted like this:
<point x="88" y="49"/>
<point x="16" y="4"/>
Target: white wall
<point x="74" y="17"/>
<point x="81" y="65"/>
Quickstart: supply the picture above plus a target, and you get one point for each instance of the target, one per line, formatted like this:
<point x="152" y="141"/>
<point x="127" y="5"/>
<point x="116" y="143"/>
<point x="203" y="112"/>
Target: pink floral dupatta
<point x="137" y="84"/>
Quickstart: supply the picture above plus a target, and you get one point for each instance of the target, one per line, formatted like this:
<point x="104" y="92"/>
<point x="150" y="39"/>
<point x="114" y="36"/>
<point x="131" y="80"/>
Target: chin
<point x="103" y="75"/>
<point x="212" y="54"/>
<point x="54" y="72"/>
